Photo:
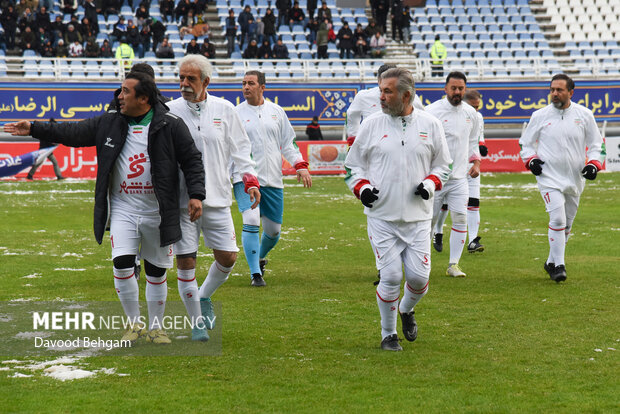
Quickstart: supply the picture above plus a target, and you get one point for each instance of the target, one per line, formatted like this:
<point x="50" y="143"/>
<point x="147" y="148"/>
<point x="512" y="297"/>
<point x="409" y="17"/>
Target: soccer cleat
<point x="257" y="280"/>
<point x="133" y="332"/>
<point x="410" y="327"/>
<point x="549" y="267"/>
<point x="438" y="242"/>
<point x="206" y="308"/>
<point x="262" y="263"/>
<point x="29" y="177"/>
<point x="475" y="246"/>
<point x="559" y="273"/>
<point x="200" y="334"/>
<point x="390" y="343"/>
<point x="159" y="337"/>
<point x="455" y="271"/>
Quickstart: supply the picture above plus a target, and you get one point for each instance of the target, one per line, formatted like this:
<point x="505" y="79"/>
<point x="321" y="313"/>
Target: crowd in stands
<point x="29" y="25"/>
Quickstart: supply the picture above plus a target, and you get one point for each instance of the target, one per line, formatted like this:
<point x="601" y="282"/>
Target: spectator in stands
<point x="48" y="49"/>
<point x="438" y="55"/>
<point x="91" y="10"/>
<point x="283" y="7"/>
<point x="252" y="28"/>
<point x="182" y="9"/>
<point x="61" y="49"/>
<point x="42" y="38"/>
<point x="76" y="49"/>
<point x="313" y="130"/>
<point x="193" y="48"/>
<point x="42" y="19"/>
<point x="145" y="40"/>
<point x="382" y="8"/>
<point x="158" y="31"/>
<point x="244" y="21"/>
<point x="125" y="52"/>
<point x="106" y="50"/>
<point x="58" y="29"/>
<point x="324" y="12"/>
<point x="405" y="24"/>
<point x="322" y="39"/>
<point x="8" y="19"/>
<point x="361" y="42"/>
<point x="142" y="14"/>
<point x="207" y="49"/>
<point x="311" y="7"/>
<point x="28" y="40"/>
<point x="371" y="29"/>
<point x="377" y="45"/>
<point x="69" y="6"/>
<point x="312" y="27"/>
<point x="199" y="6"/>
<point x="251" y="52"/>
<point x="134" y="39"/>
<point x="269" y="20"/>
<point x="111" y="7"/>
<point x="87" y="30"/>
<point x="164" y="51"/>
<point x="331" y="35"/>
<point x="264" y="52"/>
<point x="26" y="19"/>
<point x="22" y="5"/>
<point x="260" y="30"/>
<point x="296" y="16"/>
<point x="280" y="51"/>
<point x="92" y="49"/>
<point x="231" y="31"/>
<point x="396" y="15"/>
<point x="345" y="39"/>
<point x="119" y="30"/>
<point x="187" y="21"/>
<point x="166" y="8"/>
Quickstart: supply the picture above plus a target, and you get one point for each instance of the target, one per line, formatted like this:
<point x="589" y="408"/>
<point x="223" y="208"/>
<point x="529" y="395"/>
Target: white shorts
<point x="132" y="235"/>
<point x="455" y="194"/>
<point x="389" y="239"/>
<point x="474" y="186"/>
<point x="217" y="227"/>
<point x="554" y="198"/>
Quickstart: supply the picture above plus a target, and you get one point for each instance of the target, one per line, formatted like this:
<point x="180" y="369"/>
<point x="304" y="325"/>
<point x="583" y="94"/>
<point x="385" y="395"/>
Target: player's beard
<point x="558" y="104"/>
<point x="394" y="110"/>
<point x="455" y="100"/>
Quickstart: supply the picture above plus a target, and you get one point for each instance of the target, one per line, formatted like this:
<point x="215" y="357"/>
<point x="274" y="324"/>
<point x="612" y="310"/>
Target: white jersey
<point x="461" y="126"/>
<point x="272" y="137"/>
<point x="559" y="137"/>
<point x="366" y="103"/>
<point x="394" y="155"/>
<point x="131" y="185"/>
<point x="220" y="137"/>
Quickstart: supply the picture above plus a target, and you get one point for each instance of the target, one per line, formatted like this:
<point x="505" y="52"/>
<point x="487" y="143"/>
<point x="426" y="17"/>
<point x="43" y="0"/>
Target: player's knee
<point x="251" y="217"/>
<point x="124" y="262"/>
<point x="473" y="202"/>
<point x="152" y="270"/>
<point x="186" y="261"/>
<point x="557" y="218"/>
<point x="459" y="218"/>
<point x="226" y="259"/>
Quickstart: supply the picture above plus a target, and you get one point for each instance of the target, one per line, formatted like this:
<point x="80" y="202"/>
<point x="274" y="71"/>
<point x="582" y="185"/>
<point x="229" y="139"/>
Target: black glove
<point x="536" y="166"/>
<point x="483" y="150"/>
<point x="369" y="196"/>
<point x="589" y="171"/>
<point x="421" y="191"/>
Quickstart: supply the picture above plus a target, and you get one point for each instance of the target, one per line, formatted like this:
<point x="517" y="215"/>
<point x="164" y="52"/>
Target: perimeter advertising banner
<point x="501" y="102"/>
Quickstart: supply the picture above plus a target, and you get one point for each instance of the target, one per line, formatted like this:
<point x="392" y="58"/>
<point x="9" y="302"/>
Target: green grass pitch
<point x="505" y="339"/>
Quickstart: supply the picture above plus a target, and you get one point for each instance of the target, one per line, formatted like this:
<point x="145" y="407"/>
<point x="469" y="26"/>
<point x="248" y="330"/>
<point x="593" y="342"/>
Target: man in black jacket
<point x="139" y="151"/>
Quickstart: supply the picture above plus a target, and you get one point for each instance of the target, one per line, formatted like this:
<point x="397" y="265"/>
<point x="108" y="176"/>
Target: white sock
<point x="188" y="290"/>
<point x="216" y="277"/>
<point x="127" y="289"/>
<point x="557" y="246"/>
<point x="412" y="295"/>
<point x="457" y="241"/>
<point x="156" y="294"/>
<point x="473" y="222"/>
<point x="388" y="305"/>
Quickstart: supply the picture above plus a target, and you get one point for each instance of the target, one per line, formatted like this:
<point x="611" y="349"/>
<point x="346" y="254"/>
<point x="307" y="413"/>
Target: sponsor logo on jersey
<point x="135" y="165"/>
<point x="108" y="142"/>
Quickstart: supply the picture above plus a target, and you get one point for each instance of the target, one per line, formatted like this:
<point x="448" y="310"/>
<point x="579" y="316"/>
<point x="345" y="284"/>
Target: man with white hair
<point x="220" y="137"/>
<point x="399" y="159"/>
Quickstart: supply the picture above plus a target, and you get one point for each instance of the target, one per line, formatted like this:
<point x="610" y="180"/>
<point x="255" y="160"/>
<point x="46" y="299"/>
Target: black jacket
<point x="170" y="146"/>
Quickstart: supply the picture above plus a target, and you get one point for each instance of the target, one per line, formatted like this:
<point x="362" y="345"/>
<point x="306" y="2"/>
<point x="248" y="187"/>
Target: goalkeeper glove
<point x="589" y="171"/>
<point x="536" y="166"/>
<point x="369" y="196"/>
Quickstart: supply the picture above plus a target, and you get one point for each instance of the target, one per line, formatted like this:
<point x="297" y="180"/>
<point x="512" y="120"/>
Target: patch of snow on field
<point x="68" y="269"/>
<point x="5" y="318"/>
<point x="30" y="335"/>
<point x="19" y="375"/>
<point x="64" y="373"/>
<point x="24" y="299"/>
<point x="79" y="256"/>
<point x="32" y="276"/>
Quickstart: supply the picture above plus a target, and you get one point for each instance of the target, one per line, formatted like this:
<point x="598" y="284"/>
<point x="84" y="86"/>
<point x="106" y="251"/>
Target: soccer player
<point x="472" y="97"/>
<point x="139" y="151"/>
<point x="367" y="102"/>
<point x="220" y="137"/>
<point x="553" y="147"/>
<point x="461" y="126"/>
<point x="272" y="137"/>
<point x="398" y="161"/>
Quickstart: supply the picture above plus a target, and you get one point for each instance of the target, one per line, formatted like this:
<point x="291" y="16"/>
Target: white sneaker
<point x="455" y="271"/>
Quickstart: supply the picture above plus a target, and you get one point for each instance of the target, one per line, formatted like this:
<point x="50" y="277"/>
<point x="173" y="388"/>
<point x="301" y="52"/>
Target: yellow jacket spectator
<point x="438" y="55"/>
<point x="125" y="52"/>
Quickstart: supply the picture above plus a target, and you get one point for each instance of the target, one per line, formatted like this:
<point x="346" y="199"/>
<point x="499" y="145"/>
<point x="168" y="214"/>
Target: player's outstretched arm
<point x="21" y="128"/>
<point x="305" y="177"/>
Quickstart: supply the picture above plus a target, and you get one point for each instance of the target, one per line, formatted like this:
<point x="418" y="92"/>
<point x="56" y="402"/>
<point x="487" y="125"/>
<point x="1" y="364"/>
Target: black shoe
<point x="29" y="177"/>
<point x="262" y="263"/>
<point x="410" y="327"/>
<point x="559" y="273"/>
<point x="390" y="343"/>
<point x="549" y="267"/>
<point x="475" y="246"/>
<point x="257" y="280"/>
<point x="60" y="178"/>
<point x="438" y="242"/>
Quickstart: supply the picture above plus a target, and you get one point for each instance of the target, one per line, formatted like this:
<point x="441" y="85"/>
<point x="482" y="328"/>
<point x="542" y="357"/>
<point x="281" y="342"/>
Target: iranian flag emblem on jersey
<point x="217" y="122"/>
<point x="423" y="135"/>
<point x="138" y="129"/>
